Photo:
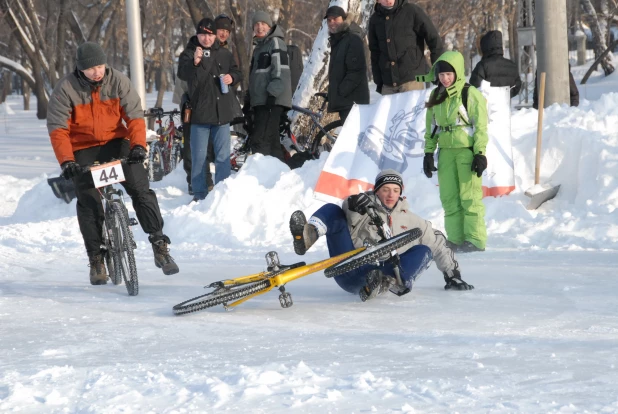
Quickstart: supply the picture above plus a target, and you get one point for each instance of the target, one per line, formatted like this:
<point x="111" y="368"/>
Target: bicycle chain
<point x="219" y="298"/>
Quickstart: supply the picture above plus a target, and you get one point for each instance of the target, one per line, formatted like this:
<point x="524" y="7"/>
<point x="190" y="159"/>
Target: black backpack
<point x="296" y="65"/>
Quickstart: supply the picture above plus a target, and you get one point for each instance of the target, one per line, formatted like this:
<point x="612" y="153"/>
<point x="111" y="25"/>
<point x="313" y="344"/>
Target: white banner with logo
<point x="390" y="134"/>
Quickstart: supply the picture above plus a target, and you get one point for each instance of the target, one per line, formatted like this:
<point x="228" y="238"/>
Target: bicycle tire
<point x="108" y="224"/>
<point x="124" y="258"/>
<point x="238" y="154"/>
<point x="156" y="170"/>
<point x="317" y="146"/>
<point x="373" y="253"/>
<point x="220" y="297"/>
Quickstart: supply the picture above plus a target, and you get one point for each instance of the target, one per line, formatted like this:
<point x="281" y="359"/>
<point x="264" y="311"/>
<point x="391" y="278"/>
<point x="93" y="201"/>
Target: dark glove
<point x="137" y="155"/>
<point x="479" y="164"/>
<point x="379" y="89"/>
<point x="429" y="165"/>
<point x="271" y="101"/>
<point x="358" y="203"/>
<point x="70" y="169"/>
<point x="455" y="282"/>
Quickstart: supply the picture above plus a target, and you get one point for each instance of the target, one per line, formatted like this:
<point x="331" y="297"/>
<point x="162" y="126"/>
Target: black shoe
<point x="162" y="257"/>
<point x="190" y="189"/>
<point x="98" y="273"/>
<point x="305" y="235"/>
<point x="468" y="247"/>
<point x="377" y="283"/>
<point x="454" y="247"/>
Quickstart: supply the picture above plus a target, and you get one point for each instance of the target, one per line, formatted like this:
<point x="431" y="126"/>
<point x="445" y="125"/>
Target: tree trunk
<point x="598" y="38"/>
<point x="241" y="51"/>
<point x="26" y="94"/>
<point x="198" y="10"/>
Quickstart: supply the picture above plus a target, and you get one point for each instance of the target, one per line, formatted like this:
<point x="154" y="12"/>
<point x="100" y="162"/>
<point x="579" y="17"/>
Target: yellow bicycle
<point x="232" y="292"/>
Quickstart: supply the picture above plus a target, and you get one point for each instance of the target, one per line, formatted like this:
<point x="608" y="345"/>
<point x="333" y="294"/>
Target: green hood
<point x="456" y="60"/>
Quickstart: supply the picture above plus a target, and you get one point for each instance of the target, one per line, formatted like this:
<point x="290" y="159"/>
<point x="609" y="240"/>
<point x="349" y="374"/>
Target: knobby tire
<point x="317" y="147"/>
<point x="108" y="225"/>
<point x="373" y="253"/>
<point x="219" y="297"/>
<point x="124" y="258"/>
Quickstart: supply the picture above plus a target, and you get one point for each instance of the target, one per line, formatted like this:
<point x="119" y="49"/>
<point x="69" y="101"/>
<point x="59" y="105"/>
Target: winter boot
<point x="454" y="247"/>
<point x="98" y="273"/>
<point x="377" y="283"/>
<point x="468" y="247"/>
<point x="162" y="257"/>
<point x="305" y="235"/>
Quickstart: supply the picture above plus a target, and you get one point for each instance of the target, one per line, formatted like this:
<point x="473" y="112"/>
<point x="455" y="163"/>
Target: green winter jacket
<point x="457" y="128"/>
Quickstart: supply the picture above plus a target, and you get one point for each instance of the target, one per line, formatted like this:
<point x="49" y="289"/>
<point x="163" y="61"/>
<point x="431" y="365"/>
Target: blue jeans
<point x="200" y="133"/>
<point x="413" y="262"/>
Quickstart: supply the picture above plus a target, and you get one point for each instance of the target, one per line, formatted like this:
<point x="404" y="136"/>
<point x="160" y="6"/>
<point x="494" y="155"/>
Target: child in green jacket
<point x="460" y="132"/>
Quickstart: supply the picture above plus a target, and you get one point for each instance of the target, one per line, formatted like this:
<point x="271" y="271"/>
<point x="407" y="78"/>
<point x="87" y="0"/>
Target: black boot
<point x="468" y="247"/>
<point x="98" y="273"/>
<point x="377" y="283"/>
<point x="305" y="235"/>
<point x="162" y="257"/>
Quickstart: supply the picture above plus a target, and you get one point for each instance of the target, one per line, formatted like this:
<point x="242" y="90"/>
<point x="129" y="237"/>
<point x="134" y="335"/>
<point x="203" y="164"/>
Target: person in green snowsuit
<point x="461" y="135"/>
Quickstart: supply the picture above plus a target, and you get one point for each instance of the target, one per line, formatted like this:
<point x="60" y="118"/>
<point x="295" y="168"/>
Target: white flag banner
<point x="390" y="134"/>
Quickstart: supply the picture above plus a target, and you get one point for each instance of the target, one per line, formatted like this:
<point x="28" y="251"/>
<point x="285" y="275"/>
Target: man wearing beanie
<point x="349" y="227"/>
<point x="398" y="31"/>
<point x="117" y="130"/>
<point x="270" y="88"/>
<point x="224" y="26"/>
<point x="347" y="68"/>
<point x="205" y="66"/>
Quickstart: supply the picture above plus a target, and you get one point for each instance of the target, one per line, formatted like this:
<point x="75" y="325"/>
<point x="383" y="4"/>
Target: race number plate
<point x="106" y="174"/>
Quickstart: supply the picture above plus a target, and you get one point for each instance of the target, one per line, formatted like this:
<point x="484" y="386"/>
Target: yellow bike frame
<point x="285" y="276"/>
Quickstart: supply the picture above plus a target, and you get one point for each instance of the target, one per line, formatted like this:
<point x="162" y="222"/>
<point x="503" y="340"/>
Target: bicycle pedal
<point x="133" y="221"/>
<point x="285" y="299"/>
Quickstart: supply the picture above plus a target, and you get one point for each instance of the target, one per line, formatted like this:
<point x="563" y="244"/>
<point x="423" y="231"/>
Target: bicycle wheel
<point x="155" y="162"/>
<point x="108" y="240"/>
<point x="219" y="297"/>
<point x="373" y="253"/>
<point x="124" y="258"/>
<point x="239" y="149"/>
<point x="321" y="142"/>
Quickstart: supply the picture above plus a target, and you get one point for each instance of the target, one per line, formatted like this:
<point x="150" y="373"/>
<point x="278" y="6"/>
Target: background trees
<point x="40" y="37"/>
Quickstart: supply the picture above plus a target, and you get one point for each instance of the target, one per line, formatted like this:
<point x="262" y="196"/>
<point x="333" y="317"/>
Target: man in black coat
<point x="398" y="31"/>
<point x="347" y="69"/>
<point x="209" y="70"/>
<point x="494" y="67"/>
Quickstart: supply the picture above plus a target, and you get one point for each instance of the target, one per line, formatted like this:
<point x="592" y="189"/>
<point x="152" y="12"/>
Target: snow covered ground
<point x="538" y="334"/>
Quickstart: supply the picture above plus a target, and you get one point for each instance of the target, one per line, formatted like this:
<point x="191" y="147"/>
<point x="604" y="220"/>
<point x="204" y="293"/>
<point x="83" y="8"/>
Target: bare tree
<point x="597" y="37"/>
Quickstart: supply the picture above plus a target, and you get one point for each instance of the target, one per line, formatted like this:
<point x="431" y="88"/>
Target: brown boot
<point x="98" y="273"/>
<point x="304" y="234"/>
<point x="162" y="257"/>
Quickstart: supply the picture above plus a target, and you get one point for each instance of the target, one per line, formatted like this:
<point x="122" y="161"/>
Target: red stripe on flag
<point x="337" y="186"/>
<point x="497" y="191"/>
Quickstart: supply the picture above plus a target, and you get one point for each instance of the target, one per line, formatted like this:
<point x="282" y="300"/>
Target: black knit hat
<point x="205" y="26"/>
<point x="89" y="55"/>
<point x="335" y="11"/>
<point x="444" y="66"/>
<point x="388" y="177"/>
<point x="224" y="22"/>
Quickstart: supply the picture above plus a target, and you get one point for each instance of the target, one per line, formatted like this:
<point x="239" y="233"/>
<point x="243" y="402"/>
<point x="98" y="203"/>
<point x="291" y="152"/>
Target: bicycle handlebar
<point x="159" y="112"/>
<point x="86" y="168"/>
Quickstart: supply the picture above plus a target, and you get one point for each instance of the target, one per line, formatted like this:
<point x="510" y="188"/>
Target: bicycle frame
<point x="166" y="135"/>
<point x="315" y="120"/>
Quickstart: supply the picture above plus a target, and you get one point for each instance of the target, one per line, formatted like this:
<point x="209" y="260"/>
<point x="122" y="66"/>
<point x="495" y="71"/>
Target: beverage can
<point x="224" y="87"/>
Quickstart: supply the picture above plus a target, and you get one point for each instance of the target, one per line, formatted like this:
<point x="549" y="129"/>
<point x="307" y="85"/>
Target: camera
<point x="206" y="53"/>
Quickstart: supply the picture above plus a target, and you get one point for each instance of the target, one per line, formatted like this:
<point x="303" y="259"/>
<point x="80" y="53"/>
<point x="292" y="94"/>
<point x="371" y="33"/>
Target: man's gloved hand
<point x="70" y="169"/>
<point x="358" y="203"/>
<point x="429" y="164"/>
<point x="137" y="155"/>
<point x="479" y="164"/>
<point x="271" y="101"/>
<point x="455" y="282"/>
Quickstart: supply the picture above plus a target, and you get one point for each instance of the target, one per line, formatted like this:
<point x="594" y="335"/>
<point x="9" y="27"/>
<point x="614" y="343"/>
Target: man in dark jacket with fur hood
<point x="398" y="31"/>
<point x="347" y="78"/>
<point x="494" y="67"/>
<point x="209" y="70"/>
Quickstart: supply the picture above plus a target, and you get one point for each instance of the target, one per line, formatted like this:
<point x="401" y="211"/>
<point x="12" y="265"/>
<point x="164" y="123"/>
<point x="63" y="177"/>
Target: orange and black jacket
<point x="83" y="115"/>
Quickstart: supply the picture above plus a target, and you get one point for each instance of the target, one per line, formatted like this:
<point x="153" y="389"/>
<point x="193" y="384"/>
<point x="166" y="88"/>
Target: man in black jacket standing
<point x="209" y="70"/>
<point x="347" y="79"/>
<point x="398" y="31"/>
<point x="494" y="67"/>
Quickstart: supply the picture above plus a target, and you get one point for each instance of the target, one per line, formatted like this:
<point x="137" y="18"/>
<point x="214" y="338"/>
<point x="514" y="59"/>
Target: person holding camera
<point x="209" y="70"/>
<point x="96" y="115"/>
<point x="349" y="227"/>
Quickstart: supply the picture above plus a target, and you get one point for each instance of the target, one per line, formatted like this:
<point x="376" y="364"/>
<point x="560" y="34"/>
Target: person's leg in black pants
<point x="343" y="115"/>
<point x="266" y="131"/>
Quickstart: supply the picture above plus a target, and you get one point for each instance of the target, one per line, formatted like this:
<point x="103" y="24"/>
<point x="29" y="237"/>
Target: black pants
<point x="89" y="208"/>
<point x="186" y="155"/>
<point x="343" y="114"/>
<point x="265" y="138"/>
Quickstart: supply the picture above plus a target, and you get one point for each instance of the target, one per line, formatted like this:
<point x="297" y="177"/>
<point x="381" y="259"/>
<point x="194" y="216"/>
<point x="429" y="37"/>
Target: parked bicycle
<point x="320" y="137"/>
<point x="165" y="153"/>
<point x="118" y="242"/>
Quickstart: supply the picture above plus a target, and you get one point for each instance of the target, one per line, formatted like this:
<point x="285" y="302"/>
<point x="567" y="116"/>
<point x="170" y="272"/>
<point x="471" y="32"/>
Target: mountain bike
<point x="319" y="139"/>
<point x="165" y="153"/>
<point x="117" y="242"/>
<point x="232" y="292"/>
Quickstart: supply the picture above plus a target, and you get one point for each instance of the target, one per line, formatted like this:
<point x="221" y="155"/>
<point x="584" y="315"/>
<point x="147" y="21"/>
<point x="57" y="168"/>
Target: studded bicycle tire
<point x="123" y="257"/>
<point x="373" y="253"/>
<point x="220" y="297"/>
